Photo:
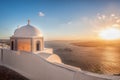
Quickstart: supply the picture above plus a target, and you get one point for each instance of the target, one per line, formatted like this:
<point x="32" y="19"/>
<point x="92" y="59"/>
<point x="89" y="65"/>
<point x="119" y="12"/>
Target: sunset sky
<point x="58" y="19"/>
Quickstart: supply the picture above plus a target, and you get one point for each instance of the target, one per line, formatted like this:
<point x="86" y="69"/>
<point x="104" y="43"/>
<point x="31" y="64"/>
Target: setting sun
<point x="110" y="34"/>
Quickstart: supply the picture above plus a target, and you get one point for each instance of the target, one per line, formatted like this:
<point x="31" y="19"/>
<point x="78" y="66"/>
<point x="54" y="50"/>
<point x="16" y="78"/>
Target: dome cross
<point x="28" y="22"/>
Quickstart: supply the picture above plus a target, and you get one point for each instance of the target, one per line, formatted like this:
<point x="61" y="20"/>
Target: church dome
<point x="27" y="31"/>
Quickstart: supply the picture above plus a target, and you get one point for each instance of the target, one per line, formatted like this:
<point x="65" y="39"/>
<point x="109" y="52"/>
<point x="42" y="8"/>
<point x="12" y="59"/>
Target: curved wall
<point x="35" y="67"/>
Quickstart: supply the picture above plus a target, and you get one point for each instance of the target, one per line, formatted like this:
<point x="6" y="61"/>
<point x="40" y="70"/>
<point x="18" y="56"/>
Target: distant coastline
<point x="97" y="43"/>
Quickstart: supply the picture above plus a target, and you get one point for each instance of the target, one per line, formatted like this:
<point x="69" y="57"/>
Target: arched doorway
<point x="12" y="45"/>
<point x="38" y="46"/>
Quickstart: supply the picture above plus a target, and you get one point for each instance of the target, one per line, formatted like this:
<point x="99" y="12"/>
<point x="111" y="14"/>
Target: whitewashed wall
<point x="35" y="67"/>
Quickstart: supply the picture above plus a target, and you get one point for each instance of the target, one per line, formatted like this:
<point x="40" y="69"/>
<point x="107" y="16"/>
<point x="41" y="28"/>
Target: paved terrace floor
<point x="8" y="74"/>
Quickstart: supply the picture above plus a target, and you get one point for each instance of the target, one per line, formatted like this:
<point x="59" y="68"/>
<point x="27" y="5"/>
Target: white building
<point x="27" y="38"/>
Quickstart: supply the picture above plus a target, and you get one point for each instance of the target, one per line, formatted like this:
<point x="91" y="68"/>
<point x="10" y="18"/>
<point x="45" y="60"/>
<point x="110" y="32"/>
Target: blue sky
<point x="57" y="19"/>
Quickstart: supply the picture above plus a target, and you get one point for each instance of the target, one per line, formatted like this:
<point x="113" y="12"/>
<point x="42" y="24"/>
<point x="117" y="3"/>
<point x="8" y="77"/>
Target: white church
<point x="27" y="38"/>
<point x="28" y="57"/>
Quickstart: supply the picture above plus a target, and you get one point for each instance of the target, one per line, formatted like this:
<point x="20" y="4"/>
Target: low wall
<point x="35" y="67"/>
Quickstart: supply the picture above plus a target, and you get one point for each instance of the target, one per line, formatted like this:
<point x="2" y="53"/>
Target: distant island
<point x="97" y="43"/>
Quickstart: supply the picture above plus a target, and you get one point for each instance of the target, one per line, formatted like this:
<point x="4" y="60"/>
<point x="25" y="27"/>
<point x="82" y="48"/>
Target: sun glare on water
<point x="110" y="34"/>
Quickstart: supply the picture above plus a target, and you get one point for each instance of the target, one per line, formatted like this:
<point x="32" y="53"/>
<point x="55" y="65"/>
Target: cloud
<point x="103" y="16"/>
<point x="69" y="22"/>
<point x="113" y="15"/>
<point x="41" y="14"/>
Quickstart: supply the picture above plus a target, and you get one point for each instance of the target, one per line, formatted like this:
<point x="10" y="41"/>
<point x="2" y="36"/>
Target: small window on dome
<point x="38" y="45"/>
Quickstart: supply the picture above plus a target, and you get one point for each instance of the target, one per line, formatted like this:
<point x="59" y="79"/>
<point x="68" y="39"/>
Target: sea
<point x="102" y="60"/>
